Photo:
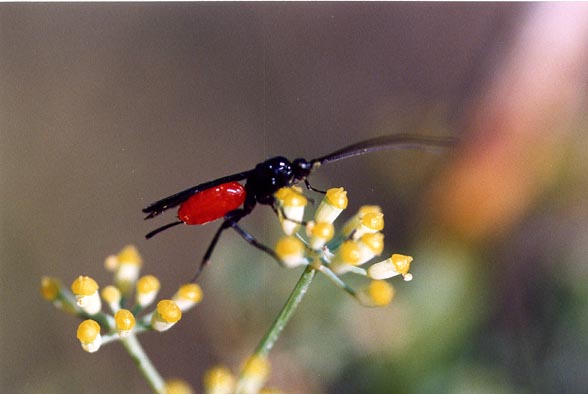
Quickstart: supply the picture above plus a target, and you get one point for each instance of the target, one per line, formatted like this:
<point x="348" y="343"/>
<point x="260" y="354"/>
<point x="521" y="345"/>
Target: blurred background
<point x="108" y="107"/>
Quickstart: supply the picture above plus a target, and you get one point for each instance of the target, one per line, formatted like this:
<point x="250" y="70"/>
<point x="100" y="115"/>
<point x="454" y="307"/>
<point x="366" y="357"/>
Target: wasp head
<point x="301" y="169"/>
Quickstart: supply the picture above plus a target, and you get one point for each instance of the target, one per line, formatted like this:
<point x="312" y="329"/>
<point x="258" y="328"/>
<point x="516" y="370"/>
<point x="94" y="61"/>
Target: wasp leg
<point x="211" y="246"/>
<point x="254" y="242"/>
<point x="231" y="221"/>
<point x="309" y="187"/>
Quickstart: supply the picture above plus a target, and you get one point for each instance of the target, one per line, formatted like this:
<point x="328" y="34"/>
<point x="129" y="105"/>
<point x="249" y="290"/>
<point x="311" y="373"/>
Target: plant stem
<point x="270" y="338"/>
<point x="135" y="350"/>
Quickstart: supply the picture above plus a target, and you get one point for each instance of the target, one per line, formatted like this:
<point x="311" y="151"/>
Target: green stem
<point x="270" y="338"/>
<point x="140" y="358"/>
<point x="336" y="280"/>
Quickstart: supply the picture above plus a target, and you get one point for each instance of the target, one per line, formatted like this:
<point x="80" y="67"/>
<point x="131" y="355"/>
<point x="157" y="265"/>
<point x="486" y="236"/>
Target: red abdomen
<point x="212" y="204"/>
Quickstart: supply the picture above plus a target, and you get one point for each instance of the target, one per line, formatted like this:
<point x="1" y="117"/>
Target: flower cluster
<point x="85" y="300"/>
<point x="314" y="244"/>
<point x="360" y="240"/>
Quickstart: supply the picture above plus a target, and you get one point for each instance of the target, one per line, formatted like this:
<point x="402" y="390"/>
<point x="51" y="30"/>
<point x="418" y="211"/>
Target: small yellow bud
<point x="111" y="295"/>
<point x="148" y="284"/>
<point x="219" y="380"/>
<point x="125" y="322"/>
<point x="291" y="197"/>
<point x="290" y="250"/>
<point x="111" y="263"/>
<point x="147" y="289"/>
<point x="401" y="263"/>
<point x="187" y="296"/>
<point x="373" y="221"/>
<point x="84" y="286"/>
<point x="353" y="224"/>
<point x="50" y="288"/>
<point x="374" y="241"/>
<point x="392" y="266"/>
<point x="320" y="233"/>
<point x="377" y="293"/>
<point x="370" y="245"/>
<point x="334" y="202"/>
<point x="89" y="335"/>
<point x="347" y="256"/>
<point x="254" y="374"/>
<point x="337" y="197"/>
<point x="166" y="315"/>
<point x="86" y="291"/>
<point x="292" y="203"/>
<point x="88" y="330"/>
<point x="323" y="230"/>
<point x="349" y="253"/>
<point x="177" y="386"/>
<point x="169" y="311"/>
<point x="127" y="269"/>
<point x="130" y="255"/>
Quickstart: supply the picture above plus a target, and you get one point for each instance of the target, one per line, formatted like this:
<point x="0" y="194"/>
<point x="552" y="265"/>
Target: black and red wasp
<point x="226" y="198"/>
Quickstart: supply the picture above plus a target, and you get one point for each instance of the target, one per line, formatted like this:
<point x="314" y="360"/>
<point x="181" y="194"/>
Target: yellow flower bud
<point x="125" y="322"/>
<point x="166" y="315"/>
<point x="392" y="266"/>
<point x="348" y="255"/>
<point x="84" y="286"/>
<point x="111" y="295"/>
<point x="254" y="375"/>
<point x="353" y="224"/>
<point x="320" y="233"/>
<point x="377" y="293"/>
<point x="219" y="380"/>
<point x="187" y="296"/>
<point x="334" y="202"/>
<point x="147" y="289"/>
<point x="130" y="255"/>
<point x="292" y="203"/>
<point x="86" y="291"/>
<point x="128" y="268"/>
<point x="290" y="250"/>
<point x="50" y="288"/>
<point x="177" y="386"/>
<point x="89" y="335"/>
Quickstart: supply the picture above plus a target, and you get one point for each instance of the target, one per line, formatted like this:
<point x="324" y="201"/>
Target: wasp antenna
<point x="162" y="228"/>
<point x="396" y="141"/>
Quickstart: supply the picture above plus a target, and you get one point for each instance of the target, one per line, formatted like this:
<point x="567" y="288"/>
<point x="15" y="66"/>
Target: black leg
<point x="254" y="242"/>
<point x="230" y="218"/>
<point x="309" y="187"/>
<point x="211" y="246"/>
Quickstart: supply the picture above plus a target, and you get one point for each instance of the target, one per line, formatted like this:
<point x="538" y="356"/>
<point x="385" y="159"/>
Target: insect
<point x="228" y="199"/>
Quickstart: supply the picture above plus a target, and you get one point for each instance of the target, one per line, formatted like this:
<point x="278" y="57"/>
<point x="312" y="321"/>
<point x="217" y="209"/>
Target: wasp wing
<point x="176" y="199"/>
<point x="396" y="141"/>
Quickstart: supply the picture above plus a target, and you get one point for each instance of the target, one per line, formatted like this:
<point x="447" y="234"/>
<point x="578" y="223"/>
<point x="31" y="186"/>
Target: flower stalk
<point x="140" y="358"/>
<point x="269" y="339"/>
